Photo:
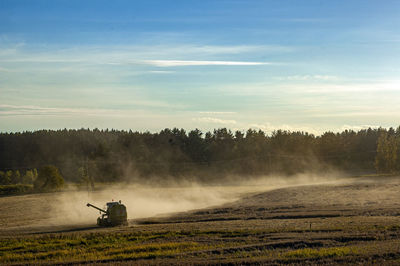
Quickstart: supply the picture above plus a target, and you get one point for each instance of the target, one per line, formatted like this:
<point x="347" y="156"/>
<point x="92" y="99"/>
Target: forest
<point x="175" y="154"/>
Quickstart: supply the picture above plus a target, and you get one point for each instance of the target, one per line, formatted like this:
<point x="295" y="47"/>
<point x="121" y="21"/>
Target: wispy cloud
<point x="33" y="110"/>
<point x="311" y="87"/>
<point x="215" y="120"/>
<point x="268" y="127"/>
<point x="352" y="87"/>
<point x="358" y="114"/>
<point x="115" y="55"/>
<point x="317" y="130"/>
<point x="2" y="69"/>
<point x="161" y="72"/>
<point x="356" y="127"/>
<point x="216" y="113"/>
<point x="238" y="49"/>
<point x="30" y="110"/>
<point x="173" y="63"/>
<point x="310" y="78"/>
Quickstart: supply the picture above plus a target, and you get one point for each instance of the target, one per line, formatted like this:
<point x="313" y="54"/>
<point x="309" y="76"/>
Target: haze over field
<point x="69" y="208"/>
<point x="270" y="221"/>
<point x="238" y="132"/>
<point x="149" y="65"/>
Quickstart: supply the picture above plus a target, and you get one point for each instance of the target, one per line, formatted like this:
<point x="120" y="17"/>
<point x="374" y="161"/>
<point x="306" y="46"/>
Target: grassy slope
<point x="226" y="243"/>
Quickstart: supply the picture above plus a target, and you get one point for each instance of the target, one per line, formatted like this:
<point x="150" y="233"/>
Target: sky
<point x="310" y="65"/>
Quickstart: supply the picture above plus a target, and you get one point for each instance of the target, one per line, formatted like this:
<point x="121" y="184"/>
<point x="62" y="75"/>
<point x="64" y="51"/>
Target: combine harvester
<point x="114" y="215"/>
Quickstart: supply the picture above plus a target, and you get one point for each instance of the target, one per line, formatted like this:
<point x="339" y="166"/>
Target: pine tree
<point x="386" y="160"/>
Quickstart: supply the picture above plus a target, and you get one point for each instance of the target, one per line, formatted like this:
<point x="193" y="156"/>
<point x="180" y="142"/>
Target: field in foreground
<point x="347" y="223"/>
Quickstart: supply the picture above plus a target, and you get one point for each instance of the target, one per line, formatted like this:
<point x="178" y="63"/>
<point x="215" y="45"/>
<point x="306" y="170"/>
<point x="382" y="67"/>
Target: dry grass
<point x="93" y="247"/>
<point x="319" y="253"/>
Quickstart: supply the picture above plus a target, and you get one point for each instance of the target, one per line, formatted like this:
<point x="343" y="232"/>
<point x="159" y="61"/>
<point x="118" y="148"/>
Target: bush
<point x="5" y="177"/>
<point x="7" y="190"/>
<point x="49" y="179"/>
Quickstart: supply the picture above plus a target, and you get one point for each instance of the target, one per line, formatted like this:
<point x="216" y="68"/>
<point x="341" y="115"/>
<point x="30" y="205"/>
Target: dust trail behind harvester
<point x="146" y="201"/>
<point x="69" y="208"/>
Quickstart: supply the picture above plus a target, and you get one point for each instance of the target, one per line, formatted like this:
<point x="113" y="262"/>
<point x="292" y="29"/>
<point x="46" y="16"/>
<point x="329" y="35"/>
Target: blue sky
<point x="148" y="65"/>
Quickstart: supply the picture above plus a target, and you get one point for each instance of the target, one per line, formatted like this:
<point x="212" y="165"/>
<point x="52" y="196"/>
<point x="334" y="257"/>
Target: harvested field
<point x="354" y="221"/>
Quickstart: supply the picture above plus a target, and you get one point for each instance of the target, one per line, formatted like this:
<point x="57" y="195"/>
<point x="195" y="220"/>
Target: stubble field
<point x="348" y="222"/>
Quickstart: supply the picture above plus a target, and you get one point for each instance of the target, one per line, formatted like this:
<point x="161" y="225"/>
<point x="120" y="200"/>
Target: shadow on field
<point x="69" y="230"/>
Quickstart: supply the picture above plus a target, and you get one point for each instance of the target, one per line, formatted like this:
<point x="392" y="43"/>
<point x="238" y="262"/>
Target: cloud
<point x="32" y="110"/>
<point x="317" y="130"/>
<point x="268" y="127"/>
<point x="173" y="63"/>
<point x="2" y="69"/>
<point x="308" y="89"/>
<point x="215" y="120"/>
<point x="356" y="127"/>
<point x="237" y="49"/>
<point x="363" y="112"/>
<point x="134" y="54"/>
<point x="217" y="113"/>
<point x="309" y="78"/>
<point x="355" y="87"/>
<point x="161" y="72"/>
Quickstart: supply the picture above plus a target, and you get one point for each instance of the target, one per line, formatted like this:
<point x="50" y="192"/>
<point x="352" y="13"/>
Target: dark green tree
<point x="49" y="179"/>
<point x="386" y="160"/>
<point x="6" y="180"/>
<point x="28" y="177"/>
<point x="16" y="177"/>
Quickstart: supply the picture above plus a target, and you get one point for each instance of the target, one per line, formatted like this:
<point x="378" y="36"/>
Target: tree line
<point x="115" y="155"/>
<point x="46" y="179"/>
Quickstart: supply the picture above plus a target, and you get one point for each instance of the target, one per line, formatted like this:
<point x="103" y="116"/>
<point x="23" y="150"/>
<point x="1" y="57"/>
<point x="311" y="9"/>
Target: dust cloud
<point x="142" y="201"/>
<point x="147" y="201"/>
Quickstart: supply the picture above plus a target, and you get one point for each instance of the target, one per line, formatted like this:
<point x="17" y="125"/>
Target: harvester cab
<point x="114" y="215"/>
